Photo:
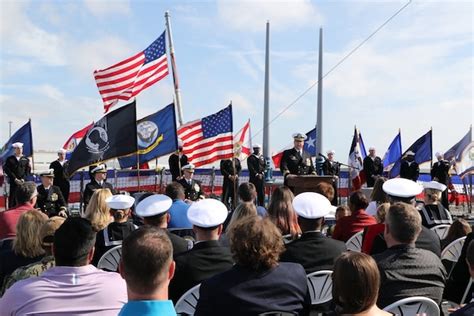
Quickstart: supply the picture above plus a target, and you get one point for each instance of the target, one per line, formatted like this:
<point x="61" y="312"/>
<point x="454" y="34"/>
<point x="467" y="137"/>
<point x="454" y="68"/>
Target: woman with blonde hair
<point x="433" y="212"/>
<point x="243" y="210"/>
<point x="281" y="212"/>
<point x="97" y="211"/>
<point x="27" y="246"/>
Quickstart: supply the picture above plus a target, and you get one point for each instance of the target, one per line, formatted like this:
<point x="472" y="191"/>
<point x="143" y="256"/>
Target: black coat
<point x="179" y="244"/>
<point x="110" y="237"/>
<point x="409" y="171"/>
<point x="205" y="260"/>
<point x="330" y="168"/>
<point x="175" y="163"/>
<point x="192" y="191"/>
<point x="91" y="187"/>
<point x="440" y="171"/>
<point x="16" y="169"/>
<point x="240" y="291"/>
<point x="459" y="278"/>
<point x="313" y="251"/>
<point x="51" y="201"/>
<point x="227" y="169"/>
<point x="60" y="178"/>
<point x="256" y="166"/>
<point x="372" y="168"/>
<point x="294" y="163"/>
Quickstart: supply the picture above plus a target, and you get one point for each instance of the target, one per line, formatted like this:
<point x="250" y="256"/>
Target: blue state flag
<point x="310" y="142"/>
<point x="156" y="136"/>
<point x="23" y="135"/>
<point x="423" y="148"/>
<point x="394" y="151"/>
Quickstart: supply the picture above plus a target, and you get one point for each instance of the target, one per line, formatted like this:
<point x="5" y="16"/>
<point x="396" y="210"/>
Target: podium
<point x="300" y="184"/>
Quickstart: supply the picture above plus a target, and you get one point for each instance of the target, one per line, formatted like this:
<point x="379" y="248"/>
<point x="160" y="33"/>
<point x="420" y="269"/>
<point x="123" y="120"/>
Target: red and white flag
<point x="243" y="141"/>
<point x="208" y="139"/>
<point x="128" y="78"/>
<point x="75" y="138"/>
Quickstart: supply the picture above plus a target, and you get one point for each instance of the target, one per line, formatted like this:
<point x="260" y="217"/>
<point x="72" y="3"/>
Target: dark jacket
<point x="294" y="163"/>
<point x="175" y="163"/>
<point x="240" y="291"/>
<point x="179" y="244"/>
<point x="206" y="259"/>
<point x="16" y="169"/>
<point x="372" y="168"/>
<point x="91" y="187"/>
<point x="256" y="166"/>
<point x="434" y="214"/>
<point x="406" y="271"/>
<point x="110" y="237"/>
<point x="330" y="168"/>
<point x="313" y="251"/>
<point x="440" y="171"/>
<point x="60" y="178"/>
<point x="50" y="201"/>
<point x="409" y="170"/>
<point x="227" y="169"/>
<point x="192" y="191"/>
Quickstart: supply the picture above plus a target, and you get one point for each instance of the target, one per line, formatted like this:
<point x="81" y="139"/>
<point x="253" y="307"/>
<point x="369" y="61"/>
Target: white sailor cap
<point x="99" y="169"/>
<point x="153" y="205"/>
<point x="17" y="145"/>
<point x="410" y="153"/>
<point x="62" y="151"/>
<point x="299" y="136"/>
<point x="439" y="154"/>
<point x="189" y="166"/>
<point x="330" y="152"/>
<point x="47" y="173"/>
<point x="402" y="188"/>
<point x="207" y="213"/>
<point x="311" y="205"/>
<point x="371" y="148"/>
<point x="434" y="185"/>
<point x="180" y="142"/>
<point x="257" y="146"/>
<point x="120" y="202"/>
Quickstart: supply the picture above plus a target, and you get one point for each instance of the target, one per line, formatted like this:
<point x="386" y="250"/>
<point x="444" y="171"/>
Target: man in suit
<point x="230" y="170"/>
<point x="50" y="198"/>
<point x="98" y="181"/>
<point x="373" y="167"/>
<point x="409" y="168"/>
<point x="440" y="172"/>
<point x="296" y="161"/>
<point x="177" y="161"/>
<point x="154" y="211"/>
<point x="313" y="250"/>
<point x="208" y="257"/>
<point x="192" y="188"/>
<point x="256" y="166"/>
<point x="60" y="179"/>
<point x="17" y="167"/>
<point x="406" y="271"/>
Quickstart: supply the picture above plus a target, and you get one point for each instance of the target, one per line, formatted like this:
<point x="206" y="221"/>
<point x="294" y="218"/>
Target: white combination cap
<point x="99" y="169"/>
<point x="434" y="185"/>
<point x="331" y="152"/>
<point x="311" y="205"/>
<point x="120" y="202"/>
<point x="371" y="148"/>
<point x="207" y="213"/>
<point x="257" y="146"/>
<point x="439" y="154"/>
<point x="410" y="153"/>
<point x="299" y="136"/>
<point x="189" y="166"/>
<point x="180" y="142"/>
<point x="62" y="151"/>
<point x="153" y="205"/>
<point x="403" y="188"/>
<point x="47" y="173"/>
<point x="17" y="145"/>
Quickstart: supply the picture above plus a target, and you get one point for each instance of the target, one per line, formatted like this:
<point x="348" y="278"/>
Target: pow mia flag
<point x="113" y="136"/>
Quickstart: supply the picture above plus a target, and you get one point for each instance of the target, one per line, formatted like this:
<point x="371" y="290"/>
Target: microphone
<point x="321" y="155"/>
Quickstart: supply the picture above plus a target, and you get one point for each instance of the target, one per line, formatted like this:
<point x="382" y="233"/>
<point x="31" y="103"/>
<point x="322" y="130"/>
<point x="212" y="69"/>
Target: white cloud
<point x="252" y="15"/>
<point x="101" y="8"/>
<point x="241" y="103"/>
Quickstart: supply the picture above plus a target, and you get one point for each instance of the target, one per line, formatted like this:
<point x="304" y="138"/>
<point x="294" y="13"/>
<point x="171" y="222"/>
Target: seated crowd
<point x="245" y="261"/>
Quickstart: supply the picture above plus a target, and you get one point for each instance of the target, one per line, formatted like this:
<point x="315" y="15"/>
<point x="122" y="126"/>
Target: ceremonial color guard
<point x="256" y="167"/>
<point x="440" y="173"/>
<point x="409" y="168"/>
<point x="230" y="170"/>
<point x="373" y="167"/>
<point x="60" y="178"/>
<point x="177" y="161"/>
<point x="17" y="168"/>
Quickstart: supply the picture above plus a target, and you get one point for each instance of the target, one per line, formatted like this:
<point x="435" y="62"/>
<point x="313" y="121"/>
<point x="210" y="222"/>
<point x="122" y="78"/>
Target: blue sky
<point x="416" y="73"/>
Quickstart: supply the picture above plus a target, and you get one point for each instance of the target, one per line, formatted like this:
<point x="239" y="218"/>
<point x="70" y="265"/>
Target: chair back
<point x="277" y="313"/>
<point x="355" y="242"/>
<point x="187" y="303"/>
<point x="452" y="252"/>
<point x="441" y="230"/>
<point x="412" y="306"/>
<point x="320" y="286"/>
<point x="110" y="259"/>
<point x="468" y="288"/>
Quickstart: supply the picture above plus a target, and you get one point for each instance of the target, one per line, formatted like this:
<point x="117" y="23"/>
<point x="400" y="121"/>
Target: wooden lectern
<point x="300" y="184"/>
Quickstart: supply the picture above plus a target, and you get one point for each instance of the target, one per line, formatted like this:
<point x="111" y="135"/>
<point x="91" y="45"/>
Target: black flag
<point x="113" y="136"/>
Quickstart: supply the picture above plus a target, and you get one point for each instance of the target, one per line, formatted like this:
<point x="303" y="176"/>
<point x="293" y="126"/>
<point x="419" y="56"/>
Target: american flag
<point x="208" y="139"/>
<point x="128" y="78"/>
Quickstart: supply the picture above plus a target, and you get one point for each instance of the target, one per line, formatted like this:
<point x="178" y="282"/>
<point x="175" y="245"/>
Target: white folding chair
<point x="320" y="286"/>
<point x="464" y="297"/>
<point x="413" y="306"/>
<point x="287" y="238"/>
<point x="187" y="303"/>
<point x="110" y="259"/>
<point x="452" y="252"/>
<point x="355" y="242"/>
<point x="441" y="230"/>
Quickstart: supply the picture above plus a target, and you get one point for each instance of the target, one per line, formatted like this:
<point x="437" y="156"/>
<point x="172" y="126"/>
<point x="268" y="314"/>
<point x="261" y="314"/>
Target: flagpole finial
<point x="167" y="13"/>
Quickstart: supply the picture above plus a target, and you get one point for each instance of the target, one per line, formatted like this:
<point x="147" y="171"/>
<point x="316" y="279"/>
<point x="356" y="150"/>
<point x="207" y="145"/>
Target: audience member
<point x="329" y="191"/>
<point x="97" y="211"/>
<point x="113" y="235"/>
<point x="26" y="245"/>
<point x="46" y="235"/>
<point x="73" y="286"/>
<point x="208" y="257"/>
<point x="257" y="283"/>
<point x="26" y="196"/>
<point x="147" y="266"/>
<point x="312" y="250"/>
<point x="244" y="209"/>
<point x="154" y="211"/>
<point x="179" y="208"/>
<point x="372" y="231"/>
<point x="433" y="212"/>
<point x="459" y="228"/>
<point x="407" y="271"/>
<point x="377" y="197"/>
<point x="355" y="285"/>
<point x="248" y="193"/>
<point x="341" y="211"/>
<point x="347" y="226"/>
<point x="281" y="212"/>
<point x="468" y="309"/>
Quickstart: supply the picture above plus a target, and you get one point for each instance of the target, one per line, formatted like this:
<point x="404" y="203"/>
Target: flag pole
<point x="32" y="149"/>
<point x="174" y="71"/>
<point x="319" y="119"/>
<point x="266" y="99"/>
<point x="431" y="142"/>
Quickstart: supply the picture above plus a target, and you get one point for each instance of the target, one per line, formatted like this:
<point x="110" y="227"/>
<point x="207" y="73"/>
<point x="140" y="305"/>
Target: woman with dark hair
<point x="355" y="285"/>
<point x="460" y="228"/>
<point x="281" y="212"/>
<point x="347" y="226"/>
<point x="377" y="197"/>
<point x="257" y="283"/>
